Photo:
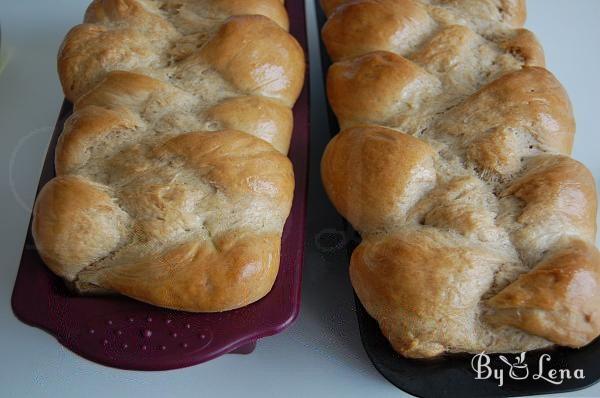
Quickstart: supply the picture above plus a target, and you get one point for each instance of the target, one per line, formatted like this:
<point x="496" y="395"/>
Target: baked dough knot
<point x="478" y="228"/>
<point x="172" y="181"/>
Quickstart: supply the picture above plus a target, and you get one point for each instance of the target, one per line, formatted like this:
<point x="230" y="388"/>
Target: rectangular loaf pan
<point x="453" y="375"/>
<point x="124" y="333"/>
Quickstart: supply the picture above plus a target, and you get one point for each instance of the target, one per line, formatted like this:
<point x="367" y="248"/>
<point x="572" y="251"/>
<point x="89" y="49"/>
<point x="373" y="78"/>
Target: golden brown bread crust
<point x="263" y="118"/>
<point x="257" y="57"/>
<point x="556" y="197"/>
<point x="452" y="163"/>
<point x="196" y="192"/>
<point x="136" y="35"/>
<point x="121" y="49"/>
<point x="243" y="261"/>
<point x="172" y="182"/>
<point x="86" y="129"/>
<point x="399" y="83"/>
<point x="234" y="259"/>
<point x="329" y="5"/>
<point x="356" y="27"/>
<point x="359" y="27"/>
<point x="71" y="212"/>
<point x="409" y="281"/>
<point x="559" y="299"/>
<point x="376" y="195"/>
<point x="528" y="99"/>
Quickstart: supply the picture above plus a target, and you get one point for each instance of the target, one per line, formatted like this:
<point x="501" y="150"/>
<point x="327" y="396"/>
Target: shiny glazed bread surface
<point x="172" y="181"/>
<point x="453" y="163"/>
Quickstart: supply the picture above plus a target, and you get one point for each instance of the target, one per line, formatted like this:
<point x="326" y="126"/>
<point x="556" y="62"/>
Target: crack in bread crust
<point x="173" y="184"/>
<point x="478" y="228"/>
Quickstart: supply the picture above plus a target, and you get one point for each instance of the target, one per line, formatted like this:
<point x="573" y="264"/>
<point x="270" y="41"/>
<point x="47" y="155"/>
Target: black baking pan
<point x="455" y="375"/>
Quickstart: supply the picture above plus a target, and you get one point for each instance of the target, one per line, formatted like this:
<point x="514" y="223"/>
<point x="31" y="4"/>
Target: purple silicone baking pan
<point x="120" y="332"/>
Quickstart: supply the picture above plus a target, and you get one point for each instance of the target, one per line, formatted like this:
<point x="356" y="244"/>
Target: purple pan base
<point x="124" y="333"/>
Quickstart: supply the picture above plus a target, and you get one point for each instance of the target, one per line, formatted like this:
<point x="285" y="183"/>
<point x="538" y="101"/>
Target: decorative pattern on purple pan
<point x="124" y="333"/>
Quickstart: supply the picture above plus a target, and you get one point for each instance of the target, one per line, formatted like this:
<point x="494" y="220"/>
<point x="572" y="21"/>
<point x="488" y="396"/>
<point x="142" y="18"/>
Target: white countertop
<point x="321" y="354"/>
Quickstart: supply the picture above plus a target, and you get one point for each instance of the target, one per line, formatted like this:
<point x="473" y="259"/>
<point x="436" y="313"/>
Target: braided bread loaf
<point x="173" y="183"/>
<point x="478" y="228"/>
